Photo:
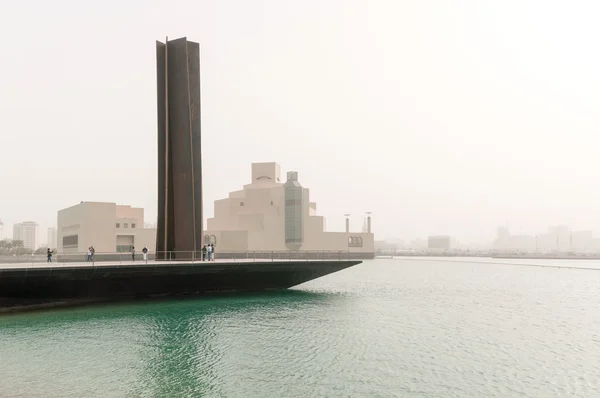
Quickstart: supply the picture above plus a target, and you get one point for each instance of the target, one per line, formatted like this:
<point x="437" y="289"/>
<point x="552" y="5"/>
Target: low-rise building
<point x="108" y="227"/>
<point x="439" y="243"/>
<point x="269" y="215"/>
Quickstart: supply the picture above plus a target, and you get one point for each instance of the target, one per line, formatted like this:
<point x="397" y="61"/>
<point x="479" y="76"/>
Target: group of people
<point x="208" y="252"/>
<point x="144" y="253"/>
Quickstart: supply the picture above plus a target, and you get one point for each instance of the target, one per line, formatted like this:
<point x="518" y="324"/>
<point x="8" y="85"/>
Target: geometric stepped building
<point x="179" y="225"/>
<point x="273" y="215"/>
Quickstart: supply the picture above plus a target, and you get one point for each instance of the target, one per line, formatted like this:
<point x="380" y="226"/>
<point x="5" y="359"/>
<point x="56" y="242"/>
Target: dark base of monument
<point x="45" y="287"/>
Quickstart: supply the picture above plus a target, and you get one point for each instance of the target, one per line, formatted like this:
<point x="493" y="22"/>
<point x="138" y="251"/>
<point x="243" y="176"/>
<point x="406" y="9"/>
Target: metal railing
<point x="229" y="256"/>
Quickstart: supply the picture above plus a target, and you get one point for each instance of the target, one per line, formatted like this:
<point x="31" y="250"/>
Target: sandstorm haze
<point x="439" y="117"/>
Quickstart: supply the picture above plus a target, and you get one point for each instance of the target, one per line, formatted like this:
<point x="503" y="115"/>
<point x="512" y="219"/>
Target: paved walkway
<point x="42" y="265"/>
<point x="116" y="263"/>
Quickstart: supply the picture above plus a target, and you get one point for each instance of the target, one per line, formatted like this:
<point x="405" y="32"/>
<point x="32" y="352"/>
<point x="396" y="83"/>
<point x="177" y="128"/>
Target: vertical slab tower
<point x="179" y="225"/>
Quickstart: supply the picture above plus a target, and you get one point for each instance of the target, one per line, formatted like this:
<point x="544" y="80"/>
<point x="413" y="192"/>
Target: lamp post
<point x="570" y="240"/>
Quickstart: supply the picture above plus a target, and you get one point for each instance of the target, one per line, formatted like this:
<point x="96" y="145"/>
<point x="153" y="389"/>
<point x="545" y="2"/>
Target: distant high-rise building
<point x="502" y="233"/>
<point x="52" y="238"/>
<point x="27" y="232"/>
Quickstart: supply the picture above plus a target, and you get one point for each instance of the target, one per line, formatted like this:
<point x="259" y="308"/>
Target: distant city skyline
<point x="543" y="240"/>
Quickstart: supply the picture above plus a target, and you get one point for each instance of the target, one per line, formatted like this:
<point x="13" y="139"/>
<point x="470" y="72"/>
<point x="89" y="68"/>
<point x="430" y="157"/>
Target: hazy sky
<point x="440" y="117"/>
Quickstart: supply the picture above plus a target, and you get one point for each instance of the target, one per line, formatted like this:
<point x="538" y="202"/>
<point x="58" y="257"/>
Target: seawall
<point x="22" y="286"/>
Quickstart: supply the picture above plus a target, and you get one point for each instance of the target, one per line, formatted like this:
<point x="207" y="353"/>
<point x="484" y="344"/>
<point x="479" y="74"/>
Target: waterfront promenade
<point x="26" y="286"/>
<point x="173" y="258"/>
<point x="156" y="263"/>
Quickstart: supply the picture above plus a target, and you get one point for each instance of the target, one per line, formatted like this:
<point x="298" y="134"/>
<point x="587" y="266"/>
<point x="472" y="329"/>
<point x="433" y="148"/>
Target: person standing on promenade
<point x="204" y="251"/>
<point x="145" y="253"/>
<point x="209" y="252"/>
<point x="49" y="253"/>
<point x="89" y="254"/>
<point x="132" y="253"/>
<point x="212" y="251"/>
<point x="93" y="252"/>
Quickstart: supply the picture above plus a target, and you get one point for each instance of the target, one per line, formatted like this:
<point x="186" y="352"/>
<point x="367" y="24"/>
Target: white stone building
<point x="269" y="215"/>
<point x="108" y="227"/>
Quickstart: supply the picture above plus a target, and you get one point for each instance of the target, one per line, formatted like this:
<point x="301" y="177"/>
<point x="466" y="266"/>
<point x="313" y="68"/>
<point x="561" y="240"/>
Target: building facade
<point x="108" y="227"/>
<point x="51" y="238"/>
<point x="26" y="232"/>
<point x="439" y="243"/>
<point x="269" y="215"/>
<point x="180" y="222"/>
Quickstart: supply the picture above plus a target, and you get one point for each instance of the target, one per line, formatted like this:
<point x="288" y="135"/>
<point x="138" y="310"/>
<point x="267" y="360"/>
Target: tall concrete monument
<point x="179" y="227"/>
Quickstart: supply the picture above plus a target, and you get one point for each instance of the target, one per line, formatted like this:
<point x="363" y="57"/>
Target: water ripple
<point x="383" y="329"/>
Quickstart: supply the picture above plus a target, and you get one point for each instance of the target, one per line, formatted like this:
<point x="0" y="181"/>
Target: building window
<point x="132" y="225"/>
<point x="355" y="241"/>
<point x="125" y="225"/>
<point x="241" y="203"/>
<point x="70" y="241"/>
<point x="118" y="225"/>
<point x="124" y="248"/>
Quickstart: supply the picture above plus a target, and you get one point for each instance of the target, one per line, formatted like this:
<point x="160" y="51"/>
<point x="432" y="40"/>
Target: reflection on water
<point x="385" y="328"/>
<point x="156" y="348"/>
<point x="188" y="342"/>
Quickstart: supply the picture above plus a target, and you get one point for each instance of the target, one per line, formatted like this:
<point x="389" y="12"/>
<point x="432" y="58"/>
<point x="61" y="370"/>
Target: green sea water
<point x="385" y="328"/>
